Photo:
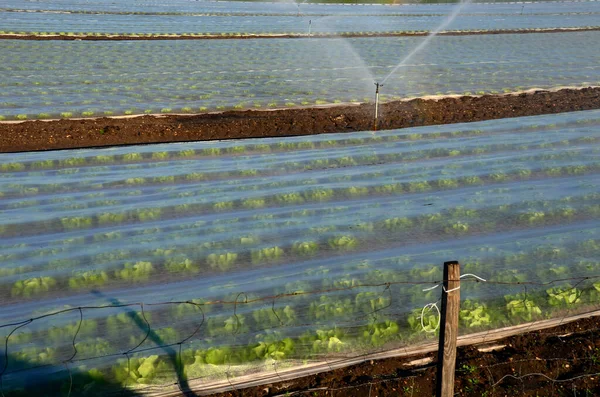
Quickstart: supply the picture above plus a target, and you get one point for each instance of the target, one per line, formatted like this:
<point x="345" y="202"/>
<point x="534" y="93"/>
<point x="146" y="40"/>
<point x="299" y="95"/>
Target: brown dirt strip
<point x="229" y="36"/>
<point x="96" y="132"/>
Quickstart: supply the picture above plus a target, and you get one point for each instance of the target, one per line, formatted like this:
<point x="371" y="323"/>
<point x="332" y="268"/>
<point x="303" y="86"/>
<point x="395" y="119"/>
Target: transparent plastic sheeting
<point x="292" y="8"/>
<point x="82" y="79"/>
<point x="198" y="262"/>
<point x="264" y="24"/>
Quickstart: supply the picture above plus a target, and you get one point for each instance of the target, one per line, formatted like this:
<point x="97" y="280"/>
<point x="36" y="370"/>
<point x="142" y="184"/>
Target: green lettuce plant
<point x="222" y="262"/>
<point x="110" y="218"/>
<point x="12" y="167"/>
<point x="253" y="203"/>
<point x="32" y="286"/>
<point x="563" y="296"/>
<point x="181" y="264"/>
<point x="429" y="323"/>
<point x="148" y="214"/>
<point x="275" y="350"/>
<point x="305" y="248"/>
<point x="274" y="317"/>
<point x="397" y="224"/>
<point x="370" y="302"/>
<point x="114" y="235"/>
<point x="85" y="329"/>
<point x="136" y="272"/>
<point x="132" y="157"/>
<point x="35" y="355"/>
<point x="319" y="195"/>
<point x="76" y="222"/>
<point x="522" y="308"/>
<point x="160" y="155"/>
<point x="357" y="191"/>
<point x="474" y="314"/>
<point x="42" y="165"/>
<point x="249" y="240"/>
<point x="381" y="332"/>
<point x="267" y="254"/>
<point x="324" y="341"/>
<point x="415" y="187"/>
<point x="223" y="205"/>
<point x="89" y="279"/>
<point x="327" y="307"/>
<point x="143" y="370"/>
<point x="289" y="198"/>
<point x="389" y="188"/>
<point x="343" y="243"/>
<point x="135" y="181"/>
<point x="457" y="228"/>
<point x="164" y="179"/>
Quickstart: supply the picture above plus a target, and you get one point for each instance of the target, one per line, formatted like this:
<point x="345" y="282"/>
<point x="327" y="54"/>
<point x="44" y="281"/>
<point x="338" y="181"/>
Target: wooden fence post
<point x="448" y="330"/>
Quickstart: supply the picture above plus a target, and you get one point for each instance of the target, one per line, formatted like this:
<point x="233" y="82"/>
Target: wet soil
<point x="563" y="361"/>
<point x="96" y="132"/>
<point x="158" y="36"/>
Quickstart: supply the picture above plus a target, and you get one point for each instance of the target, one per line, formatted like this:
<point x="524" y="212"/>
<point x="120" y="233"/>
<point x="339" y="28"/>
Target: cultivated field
<point x="181" y="266"/>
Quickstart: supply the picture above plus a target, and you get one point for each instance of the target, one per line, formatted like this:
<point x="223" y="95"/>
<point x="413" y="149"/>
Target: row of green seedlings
<point x="22" y="252"/>
<point x="269" y="221"/>
<point x="254" y="104"/>
<point x="418" y="32"/>
<point x="264" y="14"/>
<point x="504" y="269"/>
<point x="247" y="94"/>
<point x="545" y="255"/>
<point x="461" y="223"/>
<point x="259" y="14"/>
<point x="100" y="198"/>
<point x="216" y="13"/>
<point x="142" y="215"/>
<point x="169" y="110"/>
<point x="354" y="191"/>
<point x="15" y="189"/>
<point x="272" y="345"/>
<point x="276" y="147"/>
<point x="176" y="261"/>
<point x="275" y="201"/>
<point x="544" y="262"/>
<point x="225" y="254"/>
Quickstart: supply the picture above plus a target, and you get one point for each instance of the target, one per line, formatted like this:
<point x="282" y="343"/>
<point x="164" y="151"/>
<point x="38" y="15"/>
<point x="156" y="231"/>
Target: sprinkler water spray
<point x="375" y="122"/>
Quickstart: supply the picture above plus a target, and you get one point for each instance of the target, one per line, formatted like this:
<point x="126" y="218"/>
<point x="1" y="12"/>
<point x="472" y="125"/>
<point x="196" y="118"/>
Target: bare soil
<point x="562" y="361"/>
<point x="158" y="36"/>
<point x="96" y="132"/>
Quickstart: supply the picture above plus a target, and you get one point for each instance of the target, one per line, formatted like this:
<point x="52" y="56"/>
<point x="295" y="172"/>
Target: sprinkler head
<point x="377" y="85"/>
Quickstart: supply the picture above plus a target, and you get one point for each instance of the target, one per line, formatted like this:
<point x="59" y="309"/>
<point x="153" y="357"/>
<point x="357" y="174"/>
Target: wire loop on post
<point x="477" y="278"/>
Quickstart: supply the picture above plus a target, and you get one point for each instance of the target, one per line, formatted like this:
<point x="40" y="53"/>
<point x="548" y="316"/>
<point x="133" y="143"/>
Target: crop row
<point x="141" y="81"/>
<point x="293" y="33"/>
<point x="385" y="155"/>
<point x="211" y="257"/>
<point x="96" y="105"/>
<point x="277" y="201"/>
<point x="542" y="264"/>
<point x="297" y="233"/>
<point x="264" y="334"/>
<point x="296" y="197"/>
<point x="278" y="147"/>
